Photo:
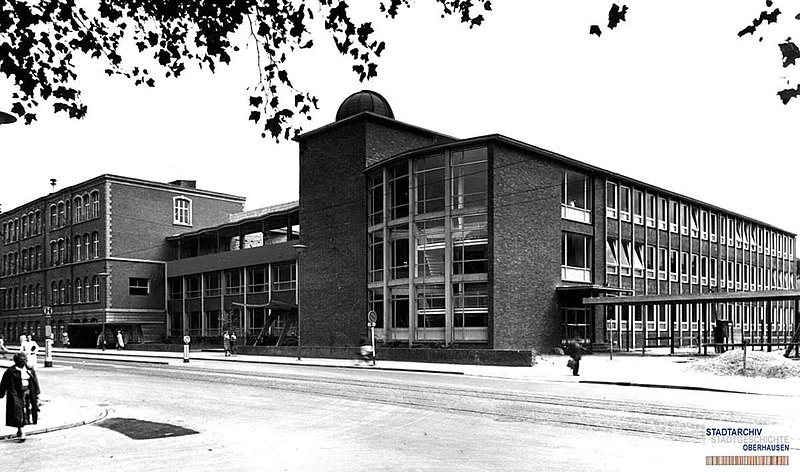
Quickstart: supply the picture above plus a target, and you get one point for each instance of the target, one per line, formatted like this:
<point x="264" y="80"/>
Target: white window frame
<point x="638" y="259"/>
<point x="703" y="270"/>
<point x="674" y="255"/>
<point x="569" y="210"/>
<point x="612" y="252"/>
<point x="178" y="213"/>
<point x="712" y="230"/>
<point x="577" y="274"/>
<point x="694" y="221"/>
<point x="638" y="201"/>
<point x="684" y="266"/>
<point x="663" y="213"/>
<point x="663" y="259"/>
<point x="624" y="215"/>
<point x="694" y="267"/>
<point x="704" y="225"/>
<point x="650" y="262"/>
<point x="613" y="200"/>
<point x="625" y="256"/>
<point x="675" y="216"/>
<point x="650" y="210"/>
<point x="713" y="272"/>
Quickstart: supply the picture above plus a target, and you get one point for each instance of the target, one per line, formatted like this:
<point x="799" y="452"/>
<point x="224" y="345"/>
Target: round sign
<point x="187" y="339"/>
<point x="48" y="310"/>
<point x="372" y="316"/>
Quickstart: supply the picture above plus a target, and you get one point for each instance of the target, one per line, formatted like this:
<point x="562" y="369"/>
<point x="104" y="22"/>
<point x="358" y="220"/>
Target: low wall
<point x="443" y="356"/>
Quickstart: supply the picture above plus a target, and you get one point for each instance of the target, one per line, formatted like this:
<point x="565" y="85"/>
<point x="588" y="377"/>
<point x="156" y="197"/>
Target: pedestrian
<point x="3" y="348"/>
<point x="101" y="341"/>
<point x="365" y="351"/>
<point x="30" y="348"/>
<point x="575" y="352"/>
<point x="22" y="388"/>
<point x="234" y="347"/>
<point x="226" y="343"/>
<point x="22" y="338"/>
<point x="120" y="341"/>
<point x="65" y="339"/>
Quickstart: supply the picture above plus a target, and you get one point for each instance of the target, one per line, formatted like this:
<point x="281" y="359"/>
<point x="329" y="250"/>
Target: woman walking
<point x="22" y="390"/>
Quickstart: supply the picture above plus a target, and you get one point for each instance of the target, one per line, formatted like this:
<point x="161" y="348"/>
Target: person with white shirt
<point x="30" y="347"/>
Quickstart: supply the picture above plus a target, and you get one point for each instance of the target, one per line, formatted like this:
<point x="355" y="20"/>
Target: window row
<point x="84" y="247"/>
<point x="85" y="290"/>
<point x="31" y="296"/>
<point x="215" y="322"/>
<point x="231" y="282"/>
<point x="85" y="207"/>
<point x="82" y="208"/>
<point x="428" y="184"/>
<point x="626" y="258"/>
<point x="647" y="209"/>
<point x="468" y="247"/>
<point x="29" y="259"/>
<point x="26" y="226"/>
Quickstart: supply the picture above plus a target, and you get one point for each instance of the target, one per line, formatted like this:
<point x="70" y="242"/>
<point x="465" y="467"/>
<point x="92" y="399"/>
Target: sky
<point x="672" y="97"/>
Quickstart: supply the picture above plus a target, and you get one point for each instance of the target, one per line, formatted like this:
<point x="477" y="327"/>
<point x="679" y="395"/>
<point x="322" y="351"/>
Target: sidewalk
<point x="625" y="369"/>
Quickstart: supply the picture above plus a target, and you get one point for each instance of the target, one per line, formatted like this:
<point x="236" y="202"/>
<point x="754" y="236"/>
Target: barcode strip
<point x="747" y="460"/>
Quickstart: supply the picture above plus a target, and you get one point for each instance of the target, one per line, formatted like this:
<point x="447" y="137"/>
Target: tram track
<point x="674" y="422"/>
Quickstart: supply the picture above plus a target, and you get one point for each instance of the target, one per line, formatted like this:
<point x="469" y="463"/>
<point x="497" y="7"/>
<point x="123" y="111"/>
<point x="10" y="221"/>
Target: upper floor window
<point x="95" y="204"/>
<point x="62" y="215"/>
<point x="77" y="207"/>
<point x="612" y="255"/>
<point x="375" y="210"/>
<point x="684" y="219"/>
<point x="284" y="276"/>
<point x="674" y="210"/>
<point x="712" y="227"/>
<point x="694" y="222"/>
<point x="469" y="181"/>
<point x="611" y="199"/>
<point x="663" y="211"/>
<point x="650" y="215"/>
<point x="576" y="258"/>
<point x="638" y="207"/>
<point x="429" y="183"/>
<point x="398" y="190"/>
<point x="576" y="197"/>
<point x="53" y="216"/>
<point x="138" y="286"/>
<point x="182" y="211"/>
<point x="624" y="203"/>
<point x="703" y="224"/>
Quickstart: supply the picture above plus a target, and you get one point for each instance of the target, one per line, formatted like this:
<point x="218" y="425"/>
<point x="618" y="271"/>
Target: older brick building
<point x="94" y="254"/>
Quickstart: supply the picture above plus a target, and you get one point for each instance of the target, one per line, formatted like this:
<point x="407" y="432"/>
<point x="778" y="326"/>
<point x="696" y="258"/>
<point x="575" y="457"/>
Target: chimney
<point x="184" y="183"/>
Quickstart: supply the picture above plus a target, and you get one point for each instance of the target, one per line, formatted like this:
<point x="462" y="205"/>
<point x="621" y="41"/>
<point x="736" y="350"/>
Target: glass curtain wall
<point x="428" y="252"/>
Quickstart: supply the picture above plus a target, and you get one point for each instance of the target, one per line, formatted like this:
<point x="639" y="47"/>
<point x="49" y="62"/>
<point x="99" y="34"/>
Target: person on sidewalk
<point x="3" y="349"/>
<point x="65" y="339"/>
<point x="120" y="341"/>
<point x="101" y="341"/>
<point x="234" y="347"/>
<point x="30" y="348"/>
<point x="22" y="389"/>
<point x="226" y="343"/>
<point x="575" y="351"/>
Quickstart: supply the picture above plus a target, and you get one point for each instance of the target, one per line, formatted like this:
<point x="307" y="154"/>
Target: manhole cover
<point x="141" y="429"/>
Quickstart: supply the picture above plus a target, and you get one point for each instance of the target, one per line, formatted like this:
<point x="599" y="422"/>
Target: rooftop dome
<point x="365" y="100"/>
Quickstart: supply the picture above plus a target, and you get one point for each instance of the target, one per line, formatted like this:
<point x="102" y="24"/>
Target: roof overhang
<point x="715" y="297"/>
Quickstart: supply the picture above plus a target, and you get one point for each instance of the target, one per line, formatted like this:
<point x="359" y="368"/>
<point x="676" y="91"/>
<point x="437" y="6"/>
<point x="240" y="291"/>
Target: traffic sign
<point x="372" y="316"/>
<point x="48" y="310"/>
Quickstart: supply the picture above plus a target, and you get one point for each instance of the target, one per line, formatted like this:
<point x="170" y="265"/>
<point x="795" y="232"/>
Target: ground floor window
<point x="576" y="324"/>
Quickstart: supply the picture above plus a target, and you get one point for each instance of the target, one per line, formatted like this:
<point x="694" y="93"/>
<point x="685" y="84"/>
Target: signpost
<point x="186" y="341"/>
<point x="372" y="318"/>
<point x="48" y="335"/>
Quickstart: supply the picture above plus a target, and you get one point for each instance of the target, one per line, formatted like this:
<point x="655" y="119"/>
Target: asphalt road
<point x="216" y="416"/>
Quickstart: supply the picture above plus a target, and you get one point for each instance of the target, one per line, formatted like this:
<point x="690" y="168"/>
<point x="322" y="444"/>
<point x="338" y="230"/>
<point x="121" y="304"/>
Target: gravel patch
<point x="759" y="364"/>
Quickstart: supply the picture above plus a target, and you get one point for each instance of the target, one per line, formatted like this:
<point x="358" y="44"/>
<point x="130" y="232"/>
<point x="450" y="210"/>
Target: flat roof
<point x="258" y="214"/>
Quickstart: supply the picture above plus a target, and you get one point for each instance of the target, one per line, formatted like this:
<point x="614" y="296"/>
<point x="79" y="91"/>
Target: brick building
<point x="94" y="253"/>
<point x="493" y="243"/>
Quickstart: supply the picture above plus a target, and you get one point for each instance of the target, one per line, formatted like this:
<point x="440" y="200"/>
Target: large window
<point x="430" y="235"/>
<point x="638" y="207"/>
<point x="257" y="280"/>
<point x="234" y="284"/>
<point x="576" y="197"/>
<point x="182" y="211"/>
<point x="624" y="203"/>
<point x="95" y="204"/>
<point x="376" y="199"/>
<point x="429" y="182"/>
<point x="284" y="276"/>
<point x="138" y="286"/>
<point x="212" y="285"/>
<point x="430" y="301"/>
<point x="611" y="199"/>
<point x="470" y="245"/>
<point x="398" y="255"/>
<point x="398" y="190"/>
<point x="471" y="307"/>
<point x="576" y="258"/>
<point x="469" y="179"/>
<point x="625" y="256"/>
<point x="612" y="255"/>
<point x="376" y="256"/>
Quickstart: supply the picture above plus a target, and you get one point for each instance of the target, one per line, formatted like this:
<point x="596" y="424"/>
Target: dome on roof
<point x="365" y="100"/>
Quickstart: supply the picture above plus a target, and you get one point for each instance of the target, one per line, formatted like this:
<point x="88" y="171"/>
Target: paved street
<point x="230" y="416"/>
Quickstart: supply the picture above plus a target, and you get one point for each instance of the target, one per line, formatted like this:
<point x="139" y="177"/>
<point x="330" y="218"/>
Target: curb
<point x="103" y="414"/>
<point x="675" y="387"/>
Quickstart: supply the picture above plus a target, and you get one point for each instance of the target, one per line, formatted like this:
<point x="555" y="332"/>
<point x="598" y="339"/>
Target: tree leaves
<point x="615" y="15"/>
<point x="41" y="40"/>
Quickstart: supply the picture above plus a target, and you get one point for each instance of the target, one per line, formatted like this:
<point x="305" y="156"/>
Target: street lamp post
<point x="298" y="248"/>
